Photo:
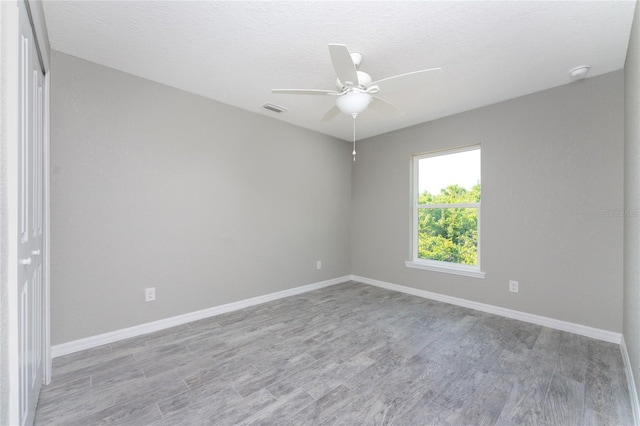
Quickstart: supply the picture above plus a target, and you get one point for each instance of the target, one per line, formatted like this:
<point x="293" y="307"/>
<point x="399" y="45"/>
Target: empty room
<point x="319" y="213"/>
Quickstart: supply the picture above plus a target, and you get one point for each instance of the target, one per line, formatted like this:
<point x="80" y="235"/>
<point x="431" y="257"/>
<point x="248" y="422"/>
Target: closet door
<point x="31" y="318"/>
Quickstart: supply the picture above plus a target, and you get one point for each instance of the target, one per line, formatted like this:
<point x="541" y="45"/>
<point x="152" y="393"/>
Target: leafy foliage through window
<point x="447" y="207"/>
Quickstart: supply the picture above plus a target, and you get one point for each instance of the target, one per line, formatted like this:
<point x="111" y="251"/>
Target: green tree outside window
<point x="449" y="234"/>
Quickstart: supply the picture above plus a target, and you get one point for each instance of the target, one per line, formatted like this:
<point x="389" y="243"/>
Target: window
<point x="446" y="212"/>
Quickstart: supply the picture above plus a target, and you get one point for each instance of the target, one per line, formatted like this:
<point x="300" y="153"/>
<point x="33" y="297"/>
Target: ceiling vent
<point x="274" y="108"/>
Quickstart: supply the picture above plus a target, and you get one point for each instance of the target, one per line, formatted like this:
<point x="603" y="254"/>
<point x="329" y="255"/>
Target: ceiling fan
<point x="355" y="89"/>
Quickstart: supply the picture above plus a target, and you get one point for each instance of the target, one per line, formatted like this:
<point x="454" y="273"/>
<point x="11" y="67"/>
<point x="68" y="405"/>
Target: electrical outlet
<point x="319" y="264"/>
<point x="513" y="286"/>
<point x="149" y="294"/>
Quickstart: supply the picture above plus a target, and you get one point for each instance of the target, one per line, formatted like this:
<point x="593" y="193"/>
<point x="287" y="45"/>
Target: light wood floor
<point x="349" y="354"/>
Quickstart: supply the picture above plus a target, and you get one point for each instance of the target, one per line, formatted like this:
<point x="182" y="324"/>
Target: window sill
<point x="446" y="269"/>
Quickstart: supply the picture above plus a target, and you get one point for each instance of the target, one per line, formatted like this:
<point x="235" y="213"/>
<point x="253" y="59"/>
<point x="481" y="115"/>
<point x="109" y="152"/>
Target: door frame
<point x="9" y="96"/>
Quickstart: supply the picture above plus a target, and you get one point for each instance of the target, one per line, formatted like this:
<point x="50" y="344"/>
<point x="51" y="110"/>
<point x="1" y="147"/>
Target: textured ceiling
<point x="235" y="52"/>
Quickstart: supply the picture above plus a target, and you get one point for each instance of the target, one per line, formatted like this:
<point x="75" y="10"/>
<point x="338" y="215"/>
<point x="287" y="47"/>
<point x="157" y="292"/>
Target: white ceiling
<point x="235" y="52"/>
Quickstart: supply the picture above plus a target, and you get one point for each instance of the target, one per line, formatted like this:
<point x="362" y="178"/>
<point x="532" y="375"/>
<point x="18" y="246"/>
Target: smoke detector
<point x="578" y="73"/>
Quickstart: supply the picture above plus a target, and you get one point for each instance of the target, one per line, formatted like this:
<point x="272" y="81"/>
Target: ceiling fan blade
<point x="408" y="80"/>
<point x="384" y="107"/>
<point x="330" y="115"/>
<point x="304" y="92"/>
<point x="343" y="64"/>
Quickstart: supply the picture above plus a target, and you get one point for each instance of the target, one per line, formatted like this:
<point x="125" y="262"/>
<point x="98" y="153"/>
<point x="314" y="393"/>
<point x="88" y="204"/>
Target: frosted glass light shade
<point x="353" y="102"/>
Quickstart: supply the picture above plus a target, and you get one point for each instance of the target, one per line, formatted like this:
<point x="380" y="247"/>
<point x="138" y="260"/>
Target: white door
<point x="30" y="223"/>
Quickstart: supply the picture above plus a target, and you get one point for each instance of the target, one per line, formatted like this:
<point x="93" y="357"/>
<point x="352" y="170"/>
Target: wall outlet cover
<point x="149" y="294"/>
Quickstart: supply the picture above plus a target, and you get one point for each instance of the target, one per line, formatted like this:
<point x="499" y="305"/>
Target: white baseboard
<point x="630" y="382"/>
<point x="125" y="333"/>
<point x="583" y="330"/>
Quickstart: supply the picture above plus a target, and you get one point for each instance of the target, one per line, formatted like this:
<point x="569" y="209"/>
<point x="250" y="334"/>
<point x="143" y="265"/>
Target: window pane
<point x="448" y="235"/>
<point x="449" y="178"/>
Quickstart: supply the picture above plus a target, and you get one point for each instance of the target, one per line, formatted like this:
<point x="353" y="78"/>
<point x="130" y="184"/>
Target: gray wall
<point x="551" y="172"/>
<point x="631" y="308"/>
<point x="153" y="186"/>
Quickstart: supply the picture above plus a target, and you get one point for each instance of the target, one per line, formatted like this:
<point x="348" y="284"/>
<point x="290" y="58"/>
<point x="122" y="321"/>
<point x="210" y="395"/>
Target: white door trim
<point x="9" y="133"/>
<point x="9" y="17"/>
<point x="46" y="231"/>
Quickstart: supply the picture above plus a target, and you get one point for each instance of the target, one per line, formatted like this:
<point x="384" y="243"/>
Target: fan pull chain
<point x="354" y="136"/>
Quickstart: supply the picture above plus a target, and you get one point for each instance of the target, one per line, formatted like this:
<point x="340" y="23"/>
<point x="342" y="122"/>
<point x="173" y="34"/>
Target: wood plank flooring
<point x="348" y="354"/>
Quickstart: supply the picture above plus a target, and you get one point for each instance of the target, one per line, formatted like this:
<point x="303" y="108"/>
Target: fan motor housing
<point x="364" y="80"/>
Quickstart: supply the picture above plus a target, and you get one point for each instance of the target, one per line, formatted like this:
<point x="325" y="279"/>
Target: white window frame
<point x="436" y="265"/>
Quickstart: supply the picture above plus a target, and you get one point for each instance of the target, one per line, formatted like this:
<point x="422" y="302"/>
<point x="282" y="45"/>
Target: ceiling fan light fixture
<point x="353" y="102"/>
